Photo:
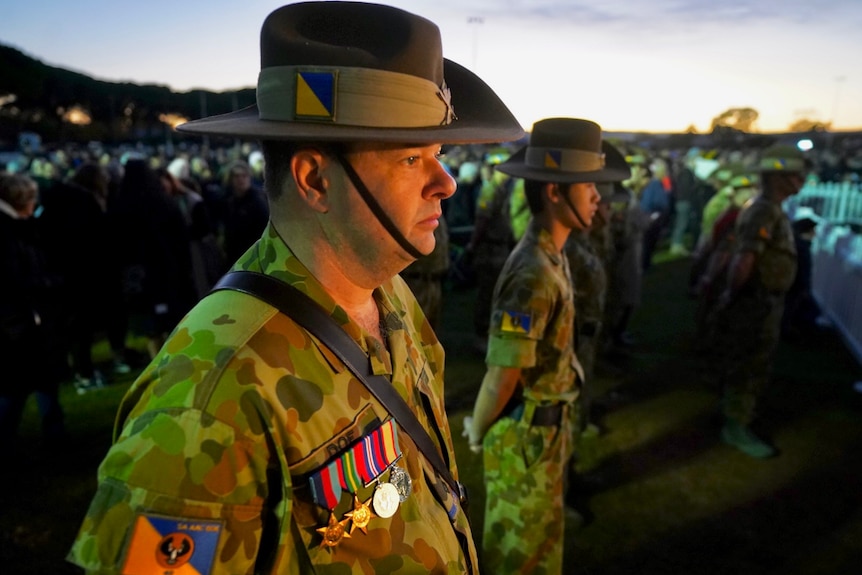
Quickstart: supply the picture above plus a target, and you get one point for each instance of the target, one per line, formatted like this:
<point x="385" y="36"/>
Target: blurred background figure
<point x="749" y="310"/>
<point x="77" y="229"/>
<point x="31" y="348"/>
<point x="491" y="241"/>
<point x="207" y="259"/>
<point x="655" y="200"/>
<point x="685" y="185"/>
<point x="800" y="308"/>
<point x="426" y="275"/>
<point x="154" y="255"/>
<point x="628" y="222"/>
<point x="245" y="211"/>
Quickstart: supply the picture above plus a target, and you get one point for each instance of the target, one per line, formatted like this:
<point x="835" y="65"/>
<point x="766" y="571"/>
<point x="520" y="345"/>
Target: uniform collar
<point x="542" y="238"/>
<point x="273" y="257"/>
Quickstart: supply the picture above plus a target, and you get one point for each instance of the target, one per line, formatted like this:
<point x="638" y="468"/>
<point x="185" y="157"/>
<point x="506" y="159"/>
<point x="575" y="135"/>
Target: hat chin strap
<point x="574" y="210"/>
<point x="376" y="209"/>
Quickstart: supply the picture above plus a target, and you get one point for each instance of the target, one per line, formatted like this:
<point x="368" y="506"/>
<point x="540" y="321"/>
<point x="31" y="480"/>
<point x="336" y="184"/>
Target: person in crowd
<point x="524" y="416"/>
<point x="152" y="243"/>
<point x="685" y="192"/>
<point x="731" y="179"/>
<point x="426" y="275"/>
<point x="491" y="241"/>
<point x="31" y="345"/>
<point x="587" y="251"/>
<point x="655" y="200"/>
<point x="628" y="222"/>
<point x="76" y="225"/>
<point x="249" y="444"/>
<point x="710" y="263"/>
<point x="801" y="309"/>
<point x="206" y="256"/>
<point x="749" y="309"/>
<point x="245" y="211"/>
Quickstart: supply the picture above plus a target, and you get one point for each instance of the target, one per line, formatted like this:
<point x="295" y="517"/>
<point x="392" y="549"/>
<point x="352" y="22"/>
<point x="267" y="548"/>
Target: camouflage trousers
<point x="746" y="335"/>
<point x="525" y="468"/>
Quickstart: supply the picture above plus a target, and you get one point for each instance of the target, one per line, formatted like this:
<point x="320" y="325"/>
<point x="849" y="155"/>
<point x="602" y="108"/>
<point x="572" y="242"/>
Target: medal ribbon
<point x="357" y="467"/>
<point x="326" y="487"/>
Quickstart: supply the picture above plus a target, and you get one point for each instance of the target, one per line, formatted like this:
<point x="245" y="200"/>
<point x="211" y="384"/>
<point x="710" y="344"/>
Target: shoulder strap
<point x="308" y="313"/>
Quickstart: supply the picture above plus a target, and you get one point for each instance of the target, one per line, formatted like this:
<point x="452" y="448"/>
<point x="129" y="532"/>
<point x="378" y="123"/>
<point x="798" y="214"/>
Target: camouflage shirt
<point x="763" y="228"/>
<point x="589" y="278"/>
<point x="231" y="444"/>
<point x="532" y="322"/>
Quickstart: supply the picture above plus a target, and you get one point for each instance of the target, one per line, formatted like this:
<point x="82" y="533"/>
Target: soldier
<point x="251" y="444"/>
<point x="748" y="315"/>
<point x="524" y="414"/>
<point x="587" y="252"/>
<point x="710" y="265"/>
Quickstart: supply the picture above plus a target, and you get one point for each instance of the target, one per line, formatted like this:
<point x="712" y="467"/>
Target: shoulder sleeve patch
<point x="515" y="322"/>
<point x="172" y="544"/>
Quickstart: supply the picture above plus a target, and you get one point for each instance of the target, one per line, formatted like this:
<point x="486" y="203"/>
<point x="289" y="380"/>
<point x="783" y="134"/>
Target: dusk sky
<point x="646" y="65"/>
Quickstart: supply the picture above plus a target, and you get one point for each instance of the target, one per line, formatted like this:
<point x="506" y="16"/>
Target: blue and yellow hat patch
<point x="515" y="322"/>
<point x="553" y="159"/>
<point x="315" y="95"/>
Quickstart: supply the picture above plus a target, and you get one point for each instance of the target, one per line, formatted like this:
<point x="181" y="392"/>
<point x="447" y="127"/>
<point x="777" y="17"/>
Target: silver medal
<point x="402" y="482"/>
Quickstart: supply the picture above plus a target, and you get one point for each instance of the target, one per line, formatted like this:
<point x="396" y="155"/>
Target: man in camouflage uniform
<point x="524" y="416"/>
<point x="247" y="446"/>
<point x="748" y="315"/>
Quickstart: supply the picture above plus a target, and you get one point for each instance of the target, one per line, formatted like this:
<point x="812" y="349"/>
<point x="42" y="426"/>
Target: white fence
<point x="839" y="203"/>
<point x="837" y="255"/>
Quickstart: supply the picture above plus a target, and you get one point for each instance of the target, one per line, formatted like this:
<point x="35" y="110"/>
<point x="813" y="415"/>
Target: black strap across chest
<point x="308" y="314"/>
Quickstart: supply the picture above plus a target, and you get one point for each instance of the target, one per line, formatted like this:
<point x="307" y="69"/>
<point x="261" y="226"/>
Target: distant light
<point x="75" y="115"/>
<point x="7" y="99"/>
<point x="172" y="120"/>
<point x="805" y="145"/>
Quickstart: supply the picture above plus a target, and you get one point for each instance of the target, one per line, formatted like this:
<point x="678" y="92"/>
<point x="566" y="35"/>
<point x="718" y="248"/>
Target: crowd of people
<point x="290" y="456"/>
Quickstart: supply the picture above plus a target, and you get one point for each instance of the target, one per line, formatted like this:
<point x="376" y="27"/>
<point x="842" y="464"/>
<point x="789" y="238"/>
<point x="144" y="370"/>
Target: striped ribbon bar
<point x="326" y="486"/>
<point x="359" y="466"/>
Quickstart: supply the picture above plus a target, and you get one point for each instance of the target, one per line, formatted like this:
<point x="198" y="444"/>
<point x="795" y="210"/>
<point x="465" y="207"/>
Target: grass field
<point x="667" y="497"/>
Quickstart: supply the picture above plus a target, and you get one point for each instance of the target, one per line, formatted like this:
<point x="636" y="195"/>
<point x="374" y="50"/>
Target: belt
<point x="543" y="415"/>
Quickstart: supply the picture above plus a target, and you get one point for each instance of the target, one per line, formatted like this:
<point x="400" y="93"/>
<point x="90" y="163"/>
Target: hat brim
<point x="481" y="118"/>
<point x="516" y="166"/>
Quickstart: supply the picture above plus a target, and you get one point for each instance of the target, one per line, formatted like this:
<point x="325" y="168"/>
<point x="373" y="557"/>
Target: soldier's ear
<point x="552" y="192"/>
<point x="307" y="166"/>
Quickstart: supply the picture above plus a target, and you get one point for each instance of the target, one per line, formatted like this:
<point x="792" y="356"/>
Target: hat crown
<point x="567" y="134"/>
<point x="563" y="150"/>
<point x="354" y="71"/>
<point x="354" y="35"/>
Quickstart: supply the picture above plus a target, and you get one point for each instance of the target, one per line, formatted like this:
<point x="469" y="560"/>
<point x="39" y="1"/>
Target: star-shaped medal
<point x="334" y="532"/>
<point x="360" y="515"/>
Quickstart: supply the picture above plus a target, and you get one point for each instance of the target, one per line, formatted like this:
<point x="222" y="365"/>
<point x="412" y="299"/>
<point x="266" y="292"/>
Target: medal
<point x="360" y="515"/>
<point x="334" y="532"/>
<point x="402" y="482"/>
<point x="385" y="500"/>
